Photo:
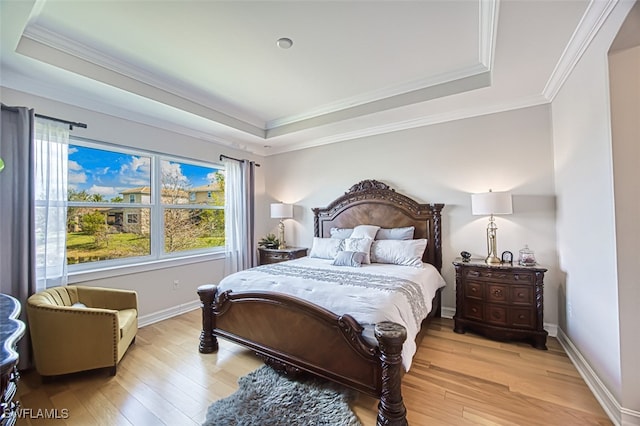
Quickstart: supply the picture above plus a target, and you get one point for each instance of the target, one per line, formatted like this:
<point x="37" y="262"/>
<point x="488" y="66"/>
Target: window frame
<point x="113" y="267"/>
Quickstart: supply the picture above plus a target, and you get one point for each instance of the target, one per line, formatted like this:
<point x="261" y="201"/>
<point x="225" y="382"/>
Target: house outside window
<point x="129" y="206"/>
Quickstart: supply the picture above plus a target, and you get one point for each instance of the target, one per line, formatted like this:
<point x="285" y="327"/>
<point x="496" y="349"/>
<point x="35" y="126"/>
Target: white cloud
<point x="106" y="191"/>
<point x="74" y="165"/>
<point x="75" y="178"/>
<point x="137" y="172"/>
<point x="172" y="174"/>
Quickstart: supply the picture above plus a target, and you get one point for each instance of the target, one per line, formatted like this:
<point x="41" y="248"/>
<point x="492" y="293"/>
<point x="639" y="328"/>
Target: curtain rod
<point x="59" y="120"/>
<point x="236" y="159"/>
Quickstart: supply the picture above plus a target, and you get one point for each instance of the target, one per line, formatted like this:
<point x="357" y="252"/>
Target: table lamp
<point x="281" y="211"/>
<point x="491" y="203"/>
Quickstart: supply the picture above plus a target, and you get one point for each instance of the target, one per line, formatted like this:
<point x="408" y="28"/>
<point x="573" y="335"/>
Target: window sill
<point x="115" y="271"/>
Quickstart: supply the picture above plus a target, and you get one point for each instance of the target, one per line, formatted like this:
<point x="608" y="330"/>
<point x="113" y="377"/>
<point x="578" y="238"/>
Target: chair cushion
<point x="127" y="321"/>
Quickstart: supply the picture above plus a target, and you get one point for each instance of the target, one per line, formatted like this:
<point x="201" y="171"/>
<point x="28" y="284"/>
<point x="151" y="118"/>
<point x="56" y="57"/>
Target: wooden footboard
<point x="294" y="335"/>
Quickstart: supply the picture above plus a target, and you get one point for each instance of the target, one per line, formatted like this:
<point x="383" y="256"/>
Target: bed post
<point x="391" y="409"/>
<point x="208" y="342"/>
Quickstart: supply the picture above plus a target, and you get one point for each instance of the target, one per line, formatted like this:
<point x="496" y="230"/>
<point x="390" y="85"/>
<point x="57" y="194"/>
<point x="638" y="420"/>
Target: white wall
<point x="624" y="69"/>
<point x="156" y="295"/>
<point x="442" y="163"/>
<point x="586" y="224"/>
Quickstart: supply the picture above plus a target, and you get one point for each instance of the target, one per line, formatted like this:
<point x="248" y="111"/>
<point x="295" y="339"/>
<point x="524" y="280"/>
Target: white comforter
<point x="371" y="294"/>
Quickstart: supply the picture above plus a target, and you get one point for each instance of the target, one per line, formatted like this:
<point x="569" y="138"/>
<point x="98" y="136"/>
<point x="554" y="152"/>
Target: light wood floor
<point x="454" y="380"/>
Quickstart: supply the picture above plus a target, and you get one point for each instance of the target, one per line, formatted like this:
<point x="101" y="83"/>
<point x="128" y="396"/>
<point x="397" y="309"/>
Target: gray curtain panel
<point x="17" y="242"/>
<point x="249" y="169"/>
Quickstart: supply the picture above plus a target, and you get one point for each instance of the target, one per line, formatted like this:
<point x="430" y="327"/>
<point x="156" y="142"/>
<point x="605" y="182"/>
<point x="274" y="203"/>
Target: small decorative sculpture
<point x="466" y="256"/>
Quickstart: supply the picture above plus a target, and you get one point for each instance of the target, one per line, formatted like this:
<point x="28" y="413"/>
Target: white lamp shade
<point x="281" y="211"/>
<point x="491" y="203"/>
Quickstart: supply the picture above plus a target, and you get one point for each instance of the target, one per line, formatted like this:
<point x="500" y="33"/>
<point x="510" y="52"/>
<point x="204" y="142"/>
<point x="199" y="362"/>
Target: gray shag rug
<point x="267" y="398"/>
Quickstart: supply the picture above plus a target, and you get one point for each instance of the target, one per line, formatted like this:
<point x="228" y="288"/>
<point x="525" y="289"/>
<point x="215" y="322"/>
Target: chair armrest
<point x="107" y="298"/>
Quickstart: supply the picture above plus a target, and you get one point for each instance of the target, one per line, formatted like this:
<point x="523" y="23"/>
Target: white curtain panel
<point x="239" y="213"/>
<point x="50" y="187"/>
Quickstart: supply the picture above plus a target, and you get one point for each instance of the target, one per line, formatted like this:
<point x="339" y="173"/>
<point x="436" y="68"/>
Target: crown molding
<point x="413" y="123"/>
<point x="45" y="45"/>
<point x="487" y="28"/>
<point x="19" y="82"/>
<point x="591" y="22"/>
<point x="174" y="93"/>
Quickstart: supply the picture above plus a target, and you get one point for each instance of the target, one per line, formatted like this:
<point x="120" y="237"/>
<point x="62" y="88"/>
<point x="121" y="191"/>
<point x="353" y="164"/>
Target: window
<point x="128" y="206"/>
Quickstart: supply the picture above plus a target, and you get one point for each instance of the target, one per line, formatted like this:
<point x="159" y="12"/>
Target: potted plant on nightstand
<point x="270" y="241"/>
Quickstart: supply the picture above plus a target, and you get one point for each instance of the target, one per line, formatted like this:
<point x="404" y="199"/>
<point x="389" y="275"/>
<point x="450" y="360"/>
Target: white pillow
<point x="365" y="231"/>
<point x="405" y="233"/>
<point x="342" y="233"/>
<point x="399" y="252"/>
<point x="325" y="248"/>
<point x="359" y="244"/>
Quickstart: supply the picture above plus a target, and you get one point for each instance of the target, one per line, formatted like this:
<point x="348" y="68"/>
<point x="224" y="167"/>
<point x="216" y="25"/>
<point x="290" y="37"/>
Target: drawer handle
<point x="473" y="289"/>
<point x="496" y="314"/>
<point x="474" y="310"/>
<point x="474" y="274"/>
<point x="521" y="316"/>
<point x="520" y="294"/>
<point x="516" y="277"/>
<point x="497" y="292"/>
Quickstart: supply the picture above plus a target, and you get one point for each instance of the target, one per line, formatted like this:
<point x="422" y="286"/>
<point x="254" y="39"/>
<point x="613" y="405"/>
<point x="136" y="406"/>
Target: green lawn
<point x="82" y="248"/>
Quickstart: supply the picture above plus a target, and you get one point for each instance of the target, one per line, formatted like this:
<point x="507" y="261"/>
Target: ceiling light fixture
<point x="284" y="43"/>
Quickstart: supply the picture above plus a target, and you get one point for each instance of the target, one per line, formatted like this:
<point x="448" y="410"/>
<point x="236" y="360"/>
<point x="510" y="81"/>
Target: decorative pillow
<point x="78" y="305"/>
<point x="405" y="233"/>
<point x="399" y="252"/>
<point x="359" y="244"/>
<point x="365" y="231"/>
<point x="349" y="258"/>
<point x="325" y="248"/>
<point x="342" y="233"/>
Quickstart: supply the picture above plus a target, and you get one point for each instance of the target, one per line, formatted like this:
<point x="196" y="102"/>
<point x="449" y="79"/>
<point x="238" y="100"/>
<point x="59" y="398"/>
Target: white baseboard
<point x="168" y="313"/>
<point x="619" y="415"/>
<point x="448" y="312"/>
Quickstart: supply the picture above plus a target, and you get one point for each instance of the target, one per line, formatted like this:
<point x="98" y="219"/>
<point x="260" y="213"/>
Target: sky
<point x="108" y="172"/>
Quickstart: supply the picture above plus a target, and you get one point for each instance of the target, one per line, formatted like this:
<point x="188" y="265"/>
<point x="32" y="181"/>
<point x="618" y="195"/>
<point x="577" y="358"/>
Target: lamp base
<point x="282" y="245"/>
<point x="493" y="260"/>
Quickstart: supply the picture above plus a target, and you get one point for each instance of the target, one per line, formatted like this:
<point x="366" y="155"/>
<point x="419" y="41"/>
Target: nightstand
<point x="266" y="256"/>
<point x="503" y="302"/>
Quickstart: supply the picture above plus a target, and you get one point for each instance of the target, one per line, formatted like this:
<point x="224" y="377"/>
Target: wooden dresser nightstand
<point x="266" y="256"/>
<point x="503" y="302"/>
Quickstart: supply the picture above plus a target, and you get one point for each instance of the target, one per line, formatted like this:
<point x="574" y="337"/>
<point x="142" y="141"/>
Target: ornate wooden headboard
<point x="371" y="202"/>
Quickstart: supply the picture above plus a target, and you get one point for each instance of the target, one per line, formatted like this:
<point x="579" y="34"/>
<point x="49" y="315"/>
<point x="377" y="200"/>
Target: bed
<point x="293" y="334"/>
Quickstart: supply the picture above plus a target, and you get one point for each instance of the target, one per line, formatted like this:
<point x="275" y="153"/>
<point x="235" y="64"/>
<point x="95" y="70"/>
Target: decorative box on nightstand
<point x="266" y="256"/>
<point x="503" y="302"/>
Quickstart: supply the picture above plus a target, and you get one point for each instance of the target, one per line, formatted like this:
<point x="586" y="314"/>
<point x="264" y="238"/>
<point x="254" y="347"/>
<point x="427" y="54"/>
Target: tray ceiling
<point x="212" y="69"/>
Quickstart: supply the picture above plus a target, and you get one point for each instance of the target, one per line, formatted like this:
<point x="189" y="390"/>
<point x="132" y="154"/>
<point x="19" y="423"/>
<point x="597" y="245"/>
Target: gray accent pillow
<point x="349" y="258"/>
<point x="405" y="233"/>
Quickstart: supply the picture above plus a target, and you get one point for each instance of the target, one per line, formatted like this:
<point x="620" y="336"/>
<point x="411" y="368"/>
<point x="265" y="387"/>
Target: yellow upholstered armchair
<point x="75" y="328"/>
